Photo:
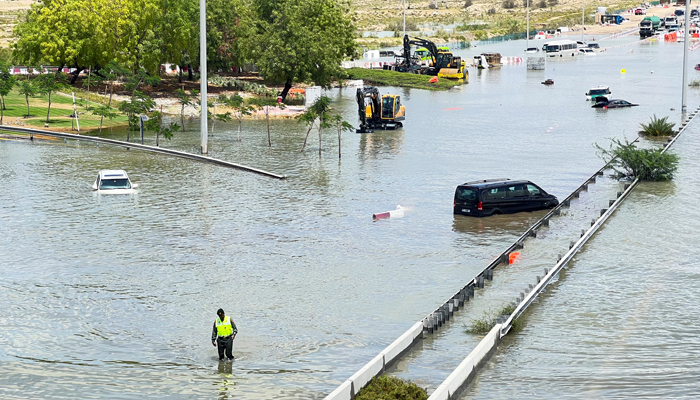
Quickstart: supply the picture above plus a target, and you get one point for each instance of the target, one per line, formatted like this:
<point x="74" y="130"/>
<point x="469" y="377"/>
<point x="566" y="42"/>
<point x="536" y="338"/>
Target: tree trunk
<point x="48" y="110"/>
<point x="307" y="136"/>
<point x="240" y="121"/>
<point x="157" y="138"/>
<point x="179" y="76"/>
<point x="76" y="73"/>
<point x="190" y="76"/>
<point x="182" y="114"/>
<point x="26" y="97"/>
<point x="2" y="110"/>
<point x="287" y="86"/>
<point x="267" y="117"/>
<point x="339" y="141"/>
<point x="87" y="101"/>
<point x="319" y="139"/>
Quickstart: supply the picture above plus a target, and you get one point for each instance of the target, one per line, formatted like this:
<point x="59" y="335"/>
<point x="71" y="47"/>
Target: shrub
<point x="491" y="10"/>
<point x="542" y="4"/>
<point x="657" y="127"/>
<point x="694" y="82"/>
<point x="508" y="4"/>
<point x="389" y="387"/>
<point x="628" y="161"/>
<point x="468" y="3"/>
<point x="552" y="3"/>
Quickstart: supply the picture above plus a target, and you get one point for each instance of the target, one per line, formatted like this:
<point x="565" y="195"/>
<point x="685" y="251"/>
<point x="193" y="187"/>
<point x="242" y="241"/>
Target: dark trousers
<point x="225" y="343"/>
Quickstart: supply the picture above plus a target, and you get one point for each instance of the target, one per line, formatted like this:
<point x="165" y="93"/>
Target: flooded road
<point x="115" y="296"/>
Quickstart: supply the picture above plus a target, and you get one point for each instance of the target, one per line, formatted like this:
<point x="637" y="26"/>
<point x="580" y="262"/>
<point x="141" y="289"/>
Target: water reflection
<point x="374" y="145"/>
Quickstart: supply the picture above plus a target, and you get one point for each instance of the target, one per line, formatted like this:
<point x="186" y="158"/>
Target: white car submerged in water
<point x="113" y="181"/>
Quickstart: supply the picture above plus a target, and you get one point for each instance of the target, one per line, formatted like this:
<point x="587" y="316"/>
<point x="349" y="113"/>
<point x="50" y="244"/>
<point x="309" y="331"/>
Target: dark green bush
<point x="390" y="388"/>
<point x="646" y="164"/>
<point x="657" y="127"/>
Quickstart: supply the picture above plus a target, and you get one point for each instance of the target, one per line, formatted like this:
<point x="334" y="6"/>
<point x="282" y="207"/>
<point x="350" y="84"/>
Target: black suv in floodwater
<point x="500" y="196"/>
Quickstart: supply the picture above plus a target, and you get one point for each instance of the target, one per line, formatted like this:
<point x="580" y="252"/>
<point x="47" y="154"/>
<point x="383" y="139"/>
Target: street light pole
<point x="686" y="41"/>
<point x="583" y="17"/>
<point x="527" y="29"/>
<point x="203" y="71"/>
<point x="404" y="18"/>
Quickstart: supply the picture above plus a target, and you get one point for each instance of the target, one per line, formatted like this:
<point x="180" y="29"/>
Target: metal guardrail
<point x="154" y="149"/>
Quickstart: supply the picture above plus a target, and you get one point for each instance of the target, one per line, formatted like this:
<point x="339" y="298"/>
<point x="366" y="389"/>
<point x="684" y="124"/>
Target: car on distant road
<point x="604" y="102"/>
<point x="587" y="52"/>
<point x="500" y="196"/>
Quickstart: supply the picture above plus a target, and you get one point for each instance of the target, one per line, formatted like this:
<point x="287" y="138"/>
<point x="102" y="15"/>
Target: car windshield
<point x="112" y="183"/>
<point x="466" y="194"/>
<point x="594" y="92"/>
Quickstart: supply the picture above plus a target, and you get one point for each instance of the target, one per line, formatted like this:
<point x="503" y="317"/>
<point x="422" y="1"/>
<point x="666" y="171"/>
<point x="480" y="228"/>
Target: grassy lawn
<point x="61" y="109"/>
<point x="400" y="79"/>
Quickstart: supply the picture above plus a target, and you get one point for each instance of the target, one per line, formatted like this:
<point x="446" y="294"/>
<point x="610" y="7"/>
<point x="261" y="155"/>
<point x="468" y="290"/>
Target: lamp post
<point x="583" y="17"/>
<point x="404" y="18"/>
<point x="527" y="23"/>
<point x="686" y="41"/>
<point x="203" y="71"/>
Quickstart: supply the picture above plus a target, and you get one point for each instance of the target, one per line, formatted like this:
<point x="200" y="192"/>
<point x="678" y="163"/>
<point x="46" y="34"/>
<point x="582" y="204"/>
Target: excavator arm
<point x="373" y="94"/>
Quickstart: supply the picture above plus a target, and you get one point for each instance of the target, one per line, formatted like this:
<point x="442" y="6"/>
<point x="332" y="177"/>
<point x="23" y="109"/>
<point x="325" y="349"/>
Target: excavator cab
<point x="383" y="112"/>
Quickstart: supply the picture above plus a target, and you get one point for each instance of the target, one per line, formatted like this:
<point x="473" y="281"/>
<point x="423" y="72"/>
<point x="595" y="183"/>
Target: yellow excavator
<point x="442" y="62"/>
<point x="379" y="112"/>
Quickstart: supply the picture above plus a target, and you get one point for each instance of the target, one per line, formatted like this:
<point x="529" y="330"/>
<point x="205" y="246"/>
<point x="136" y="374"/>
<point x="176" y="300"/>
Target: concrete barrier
<point x="153" y="149"/>
<point x="403" y="343"/>
<point x="465" y="372"/>
<point x="343" y="392"/>
<point x="366" y="373"/>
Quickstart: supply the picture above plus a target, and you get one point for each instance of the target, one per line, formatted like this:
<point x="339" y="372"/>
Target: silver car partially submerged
<point x="113" y="181"/>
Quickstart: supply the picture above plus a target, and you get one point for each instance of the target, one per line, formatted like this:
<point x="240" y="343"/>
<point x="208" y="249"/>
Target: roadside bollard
<point x="571" y="244"/>
<point x="619" y="194"/>
<point x="538" y="279"/>
<point x="592" y="180"/>
<point x="471" y="291"/>
<point x="611" y="202"/>
<point x="546" y="271"/>
<point x="533" y="233"/>
<point x="450" y="308"/>
<point x="627" y="186"/>
<point x="559" y="257"/>
<point x="576" y="194"/>
<point x="557" y="212"/>
<point x="545" y="222"/>
<point x="583" y="232"/>
<point x="426" y="326"/>
<point x="584" y="187"/>
<point x="592" y="221"/>
<point x="603" y="211"/>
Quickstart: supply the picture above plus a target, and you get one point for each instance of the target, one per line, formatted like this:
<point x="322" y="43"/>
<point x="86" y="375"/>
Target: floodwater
<point x="115" y="296"/>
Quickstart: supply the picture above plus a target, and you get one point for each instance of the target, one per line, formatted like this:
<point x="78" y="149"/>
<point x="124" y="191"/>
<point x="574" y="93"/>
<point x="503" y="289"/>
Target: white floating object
<point x="398" y="213"/>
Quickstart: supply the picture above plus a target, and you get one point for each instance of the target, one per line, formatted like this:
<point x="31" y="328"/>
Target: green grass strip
<point x="380" y="77"/>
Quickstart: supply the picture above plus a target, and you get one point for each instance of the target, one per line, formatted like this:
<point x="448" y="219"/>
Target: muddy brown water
<point x="115" y="296"/>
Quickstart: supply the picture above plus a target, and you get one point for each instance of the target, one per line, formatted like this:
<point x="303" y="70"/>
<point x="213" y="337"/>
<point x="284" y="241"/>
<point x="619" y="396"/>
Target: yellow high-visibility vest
<point x="224" y="328"/>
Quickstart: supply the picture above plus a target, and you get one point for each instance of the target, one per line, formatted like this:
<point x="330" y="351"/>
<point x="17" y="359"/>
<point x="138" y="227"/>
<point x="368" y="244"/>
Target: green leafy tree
<point x="240" y="109"/>
<point x="139" y="103"/>
<point x="47" y="84"/>
<point x="7" y="82"/>
<point x="342" y="125"/>
<point x="185" y="99"/>
<point x="104" y="111"/>
<point x="27" y="89"/>
<point x="155" y="124"/>
<point x="230" y="28"/>
<point x="298" y="41"/>
<point x="646" y="164"/>
<point x="265" y="104"/>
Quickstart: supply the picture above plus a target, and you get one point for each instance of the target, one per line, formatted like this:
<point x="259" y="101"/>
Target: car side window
<point x="515" y="191"/>
<point x="533" y="190"/>
<point x="496" y="193"/>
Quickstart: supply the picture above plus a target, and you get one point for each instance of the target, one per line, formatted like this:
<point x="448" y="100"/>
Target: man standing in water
<point x="224" y="332"/>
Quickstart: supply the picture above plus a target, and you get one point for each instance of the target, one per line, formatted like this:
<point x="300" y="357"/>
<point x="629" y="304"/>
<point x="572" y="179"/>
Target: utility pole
<point x="404" y="18"/>
<point x="686" y="41"/>
<point x="203" y="71"/>
<point x="527" y="30"/>
<point x="583" y="17"/>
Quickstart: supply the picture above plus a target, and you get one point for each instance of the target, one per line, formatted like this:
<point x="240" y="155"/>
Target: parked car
<point x="593" y="46"/>
<point x="604" y="102"/>
<point x="587" y="52"/>
<point x="640" y="11"/>
<point x="500" y="196"/>
<point x="113" y="181"/>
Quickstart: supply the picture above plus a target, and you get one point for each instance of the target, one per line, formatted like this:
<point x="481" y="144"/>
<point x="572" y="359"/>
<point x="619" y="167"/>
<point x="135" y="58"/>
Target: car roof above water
<point x="492" y="182"/>
<point x="113" y="174"/>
